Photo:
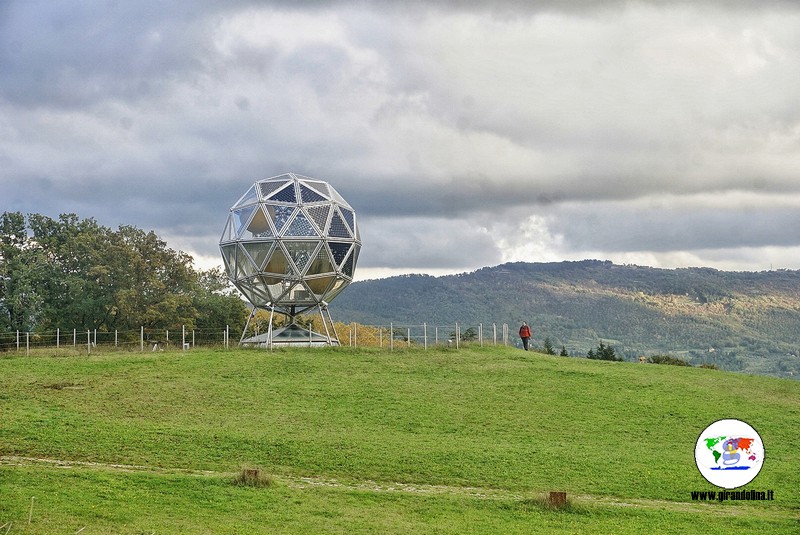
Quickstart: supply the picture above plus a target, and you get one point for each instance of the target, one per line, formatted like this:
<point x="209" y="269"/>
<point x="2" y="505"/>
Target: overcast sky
<point x="654" y="133"/>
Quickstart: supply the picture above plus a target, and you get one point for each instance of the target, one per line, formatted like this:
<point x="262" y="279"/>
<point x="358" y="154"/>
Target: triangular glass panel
<point x="268" y="186"/>
<point x="349" y="265"/>
<point x="259" y="226"/>
<point x="309" y="195"/>
<point x="248" y="198"/>
<point x="348" y="216"/>
<point x="229" y="234"/>
<point x="321" y="263"/>
<point x="274" y="286"/>
<point x="297" y="294"/>
<point x="229" y="257"/>
<point x="319" y="214"/>
<point x="335" y="289"/>
<point x="320" y="187"/>
<point x="279" y="216"/>
<point x="338" y="229"/>
<point x="300" y="226"/>
<point x="241" y="217"/>
<point x="339" y="251"/>
<point x="301" y="253"/>
<point x="320" y="285"/>
<point x="245" y="264"/>
<point x="278" y="263"/>
<point x="285" y="195"/>
<point x="258" y="251"/>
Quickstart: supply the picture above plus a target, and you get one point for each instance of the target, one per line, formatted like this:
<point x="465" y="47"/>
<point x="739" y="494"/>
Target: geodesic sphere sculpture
<point x="290" y="242"/>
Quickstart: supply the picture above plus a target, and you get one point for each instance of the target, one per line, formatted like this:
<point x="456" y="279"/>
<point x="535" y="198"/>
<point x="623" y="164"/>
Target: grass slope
<point x="440" y="441"/>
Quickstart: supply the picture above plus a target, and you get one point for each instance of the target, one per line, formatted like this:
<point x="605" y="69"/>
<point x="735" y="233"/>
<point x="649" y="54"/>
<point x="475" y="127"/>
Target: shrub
<point x="666" y="359"/>
<point x="253" y="477"/>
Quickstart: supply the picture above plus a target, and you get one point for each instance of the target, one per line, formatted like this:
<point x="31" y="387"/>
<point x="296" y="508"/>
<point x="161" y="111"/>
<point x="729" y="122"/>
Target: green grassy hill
<point x="738" y="321"/>
<point x="368" y="441"/>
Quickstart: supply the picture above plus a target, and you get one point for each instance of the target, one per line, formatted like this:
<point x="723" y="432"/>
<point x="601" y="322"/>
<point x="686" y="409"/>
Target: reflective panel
<point x="285" y="195"/>
<point x="301" y="253"/>
<point x="259" y="226"/>
<point x="300" y="226"/>
<point x="349" y="265"/>
<point x="309" y="195"/>
<point x="229" y="234"/>
<point x="278" y="263"/>
<point x="258" y="251"/>
<point x="319" y="214"/>
<point x="335" y="289"/>
<point x="320" y="285"/>
<point x="321" y="263"/>
<point x="347" y="215"/>
<point x="339" y="251"/>
<point x="241" y="217"/>
<point x="229" y="257"/>
<point x="267" y="187"/>
<point x="248" y="198"/>
<point x="320" y="187"/>
<point x="279" y="215"/>
<point x="275" y="287"/>
<point x="338" y="229"/>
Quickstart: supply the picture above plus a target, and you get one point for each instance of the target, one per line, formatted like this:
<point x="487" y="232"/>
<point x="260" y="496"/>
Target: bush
<point x="666" y="359"/>
<point x="253" y="477"/>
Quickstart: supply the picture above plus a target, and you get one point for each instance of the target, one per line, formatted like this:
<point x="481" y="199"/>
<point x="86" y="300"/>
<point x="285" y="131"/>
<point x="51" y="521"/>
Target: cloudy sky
<point x="656" y="133"/>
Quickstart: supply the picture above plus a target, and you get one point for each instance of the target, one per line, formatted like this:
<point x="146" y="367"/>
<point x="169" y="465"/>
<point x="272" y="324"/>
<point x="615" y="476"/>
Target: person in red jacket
<point x="525" y="334"/>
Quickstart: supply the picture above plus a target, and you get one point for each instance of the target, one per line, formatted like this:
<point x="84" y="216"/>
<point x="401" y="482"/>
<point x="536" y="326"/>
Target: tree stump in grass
<point x="557" y="499"/>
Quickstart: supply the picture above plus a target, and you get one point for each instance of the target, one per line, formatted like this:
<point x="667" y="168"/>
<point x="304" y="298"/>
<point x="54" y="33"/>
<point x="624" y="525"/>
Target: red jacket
<point x="524" y="332"/>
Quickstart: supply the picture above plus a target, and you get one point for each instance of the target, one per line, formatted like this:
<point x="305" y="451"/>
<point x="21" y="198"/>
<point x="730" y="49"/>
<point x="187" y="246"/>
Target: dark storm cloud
<point x="464" y="133"/>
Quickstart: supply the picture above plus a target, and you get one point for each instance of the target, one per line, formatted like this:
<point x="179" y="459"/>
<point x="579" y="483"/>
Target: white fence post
<point x="27" y="344"/>
<point x="425" y="334"/>
<point x="391" y="336"/>
<point x="58" y="338"/>
<point x="141" y="338"/>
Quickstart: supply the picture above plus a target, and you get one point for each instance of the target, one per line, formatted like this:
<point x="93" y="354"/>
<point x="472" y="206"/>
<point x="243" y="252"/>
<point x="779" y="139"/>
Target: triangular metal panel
<point x="258" y="252"/>
<point x="301" y="253"/>
<point x="309" y="195"/>
<point x="279" y="215"/>
<point x="241" y="217"/>
<point x="322" y="263"/>
<point x="320" y="187"/>
<point x="259" y="226"/>
<point x="319" y="286"/>
<point x="335" y="289"/>
<point x="319" y="214"/>
<point x="229" y="234"/>
<point x="339" y="252"/>
<point x="286" y="194"/>
<point x="300" y="226"/>
<point x="349" y="265"/>
<point x="250" y="197"/>
<point x="349" y="217"/>
<point x="229" y="258"/>
<point x="338" y="228"/>
<point x="267" y="187"/>
<point x="338" y="198"/>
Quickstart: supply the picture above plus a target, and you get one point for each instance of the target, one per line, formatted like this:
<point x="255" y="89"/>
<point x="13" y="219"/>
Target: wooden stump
<point x="557" y="499"/>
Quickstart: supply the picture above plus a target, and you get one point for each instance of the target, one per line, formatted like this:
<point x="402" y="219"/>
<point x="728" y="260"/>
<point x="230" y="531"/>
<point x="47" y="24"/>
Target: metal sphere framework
<point x="290" y="244"/>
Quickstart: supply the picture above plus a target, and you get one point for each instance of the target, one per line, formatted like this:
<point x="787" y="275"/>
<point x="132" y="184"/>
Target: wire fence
<point x="391" y="336"/>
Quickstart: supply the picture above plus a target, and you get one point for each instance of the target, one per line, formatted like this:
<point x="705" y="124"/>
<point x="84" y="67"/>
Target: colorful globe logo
<point x="729" y="453"/>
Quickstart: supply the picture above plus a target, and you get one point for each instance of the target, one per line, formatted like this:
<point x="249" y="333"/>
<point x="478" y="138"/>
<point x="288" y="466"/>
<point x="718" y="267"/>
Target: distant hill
<point x="741" y="321"/>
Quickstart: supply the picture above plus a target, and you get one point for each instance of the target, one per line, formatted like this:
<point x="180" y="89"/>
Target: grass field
<point x="368" y="441"/>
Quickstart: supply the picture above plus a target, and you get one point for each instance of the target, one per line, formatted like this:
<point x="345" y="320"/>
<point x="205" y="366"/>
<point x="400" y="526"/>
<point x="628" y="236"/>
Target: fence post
<point x="494" y="333"/>
<point x="89" y="342"/>
<point x="480" y="332"/>
<point x="116" y="338"/>
<point x="141" y="338"/>
<point x="458" y="336"/>
<point x="183" y="337"/>
<point x="74" y="337"/>
<point x="95" y="338"/>
<point x="17" y="340"/>
<point x="425" y="333"/>
<point x="391" y="336"/>
<point x="380" y="335"/>
<point x="27" y="344"/>
<point x="192" y="338"/>
<point x="355" y="335"/>
<point x="58" y="338"/>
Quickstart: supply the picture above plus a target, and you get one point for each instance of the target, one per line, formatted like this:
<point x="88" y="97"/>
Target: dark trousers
<point x="525" y="341"/>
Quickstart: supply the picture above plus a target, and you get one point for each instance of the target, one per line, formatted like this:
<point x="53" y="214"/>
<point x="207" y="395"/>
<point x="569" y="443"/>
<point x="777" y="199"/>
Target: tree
<point x="603" y="352"/>
<point x="564" y="351"/>
<point x="548" y="347"/>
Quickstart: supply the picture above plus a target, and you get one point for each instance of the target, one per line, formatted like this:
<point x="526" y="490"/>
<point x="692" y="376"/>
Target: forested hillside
<point x="71" y="273"/>
<point x="740" y="321"/>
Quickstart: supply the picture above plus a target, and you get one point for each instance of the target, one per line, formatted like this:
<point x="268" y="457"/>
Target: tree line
<point x="73" y="273"/>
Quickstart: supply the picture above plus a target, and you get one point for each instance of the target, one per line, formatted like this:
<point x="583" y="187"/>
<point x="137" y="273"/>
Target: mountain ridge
<point x="737" y="320"/>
